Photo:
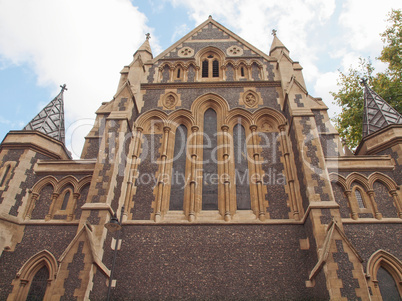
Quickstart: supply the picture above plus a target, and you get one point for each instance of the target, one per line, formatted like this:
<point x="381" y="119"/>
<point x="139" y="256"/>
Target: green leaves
<point x="387" y="84"/>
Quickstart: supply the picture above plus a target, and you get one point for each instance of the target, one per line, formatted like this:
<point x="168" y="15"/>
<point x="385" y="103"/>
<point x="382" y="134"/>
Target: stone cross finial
<point x="63" y="87"/>
<point x="148" y="35"/>
<point x="274" y="32"/>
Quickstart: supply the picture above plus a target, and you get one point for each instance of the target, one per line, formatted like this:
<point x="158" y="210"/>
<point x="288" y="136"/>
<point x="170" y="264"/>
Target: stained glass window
<point x="210" y="166"/>
<point x="178" y="180"/>
<point x="38" y="286"/>
<point x="359" y="199"/>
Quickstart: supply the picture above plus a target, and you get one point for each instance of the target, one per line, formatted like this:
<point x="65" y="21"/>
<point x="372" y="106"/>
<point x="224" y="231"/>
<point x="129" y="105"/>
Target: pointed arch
<point x="210" y="100"/>
<point x="336" y="178"/>
<point x="244" y="115"/>
<point x="66" y="181"/>
<point x="181" y="116"/>
<point x="155" y="114"/>
<point x="278" y="118"/>
<point x="83" y="182"/>
<point x="48" y="180"/>
<point x="384" y="179"/>
<point x="358" y="178"/>
<point x="390" y="263"/>
<point x="24" y="277"/>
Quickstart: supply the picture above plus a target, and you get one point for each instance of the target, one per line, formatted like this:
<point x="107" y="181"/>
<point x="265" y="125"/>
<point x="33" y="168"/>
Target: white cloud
<point x="327" y="83"/>
<point x="84" y="44"/>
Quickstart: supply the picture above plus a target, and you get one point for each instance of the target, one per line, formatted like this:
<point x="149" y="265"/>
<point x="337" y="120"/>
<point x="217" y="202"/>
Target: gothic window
<point x="210" y="63"/>
<point x="241" y="168"/>
<point x="387" y="285"/>
<point x="242" y="71"/>
<point x="5" y="175"/>
<point x="178" y="181"/>
<point x="215" y="68"/>
<point x="205" y="68"/>
<point x="359" y="199"/>
<point x="210" y="167"/>
<point x="178" y="72"/>
<point x="38" y="286"/>
<point x="65" y="200"/>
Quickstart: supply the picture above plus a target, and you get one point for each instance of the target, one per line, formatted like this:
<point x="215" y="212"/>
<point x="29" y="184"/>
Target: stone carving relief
<point x="250" y="99"/>
<point x="234" y="51"/>
<point x="185" y="52"/>
<point x="169" y="101"/>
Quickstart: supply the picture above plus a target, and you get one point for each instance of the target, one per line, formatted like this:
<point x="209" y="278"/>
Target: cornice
<point x="200" y="85"/>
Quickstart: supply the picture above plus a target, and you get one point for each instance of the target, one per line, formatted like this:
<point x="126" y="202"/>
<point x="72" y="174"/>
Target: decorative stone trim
<point x="185" y="52"/>
<point x="170" y="101"/>
<point x="234" y="51"/>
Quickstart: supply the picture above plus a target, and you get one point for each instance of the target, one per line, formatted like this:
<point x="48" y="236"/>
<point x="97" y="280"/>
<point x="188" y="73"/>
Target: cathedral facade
<point x="223" y="178"/>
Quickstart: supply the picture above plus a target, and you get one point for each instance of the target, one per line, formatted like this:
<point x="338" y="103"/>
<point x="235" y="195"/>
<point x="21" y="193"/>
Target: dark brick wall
<point x="73" y="281"/>
<point x="231" y="95"/>
<point x="368" y="238"/>
<point x="397" y="172"/>
<point x="213" y="263"/>
<point x="342" y="200"/>
<point x="274" y="176"/>
<point x="146" y="182"/>
<point x="81" y="201"/>
<point x="345" y="272"/>
<point x="385" y="202"/>
<point x="43" y="202"/>
<point x="36" y="239"/>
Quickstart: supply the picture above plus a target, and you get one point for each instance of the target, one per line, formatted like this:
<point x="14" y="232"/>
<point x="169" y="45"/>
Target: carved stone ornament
<point x="170" y="101"/>
<point x="185" y="52"/>
<point x="250" y="99"/>
<point x="266" y="126"/>
<point x="234" y="51"/>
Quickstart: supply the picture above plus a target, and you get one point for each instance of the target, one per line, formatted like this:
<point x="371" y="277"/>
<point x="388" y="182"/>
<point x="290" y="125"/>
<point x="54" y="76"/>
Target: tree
<point x="387" y="84"/>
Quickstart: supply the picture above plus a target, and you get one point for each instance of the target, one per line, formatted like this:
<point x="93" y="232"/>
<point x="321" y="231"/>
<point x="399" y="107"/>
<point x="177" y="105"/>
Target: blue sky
<point x="86" y="43"/>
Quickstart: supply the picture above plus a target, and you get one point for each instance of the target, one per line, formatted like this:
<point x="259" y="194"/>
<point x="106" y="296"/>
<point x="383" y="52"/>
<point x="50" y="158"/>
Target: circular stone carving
<point x="234" y="51"/>
<point x="170" y="101"/>
<point x="250" y="99"/>
<point x="185" y="52"/>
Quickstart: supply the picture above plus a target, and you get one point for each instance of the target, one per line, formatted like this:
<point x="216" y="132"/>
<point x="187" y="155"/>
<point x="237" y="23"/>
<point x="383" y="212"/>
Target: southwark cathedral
<point x="211" y="174"/>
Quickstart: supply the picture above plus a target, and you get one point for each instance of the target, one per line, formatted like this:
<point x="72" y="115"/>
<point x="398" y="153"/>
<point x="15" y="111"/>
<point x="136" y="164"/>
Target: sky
<point x="86" y="43"/>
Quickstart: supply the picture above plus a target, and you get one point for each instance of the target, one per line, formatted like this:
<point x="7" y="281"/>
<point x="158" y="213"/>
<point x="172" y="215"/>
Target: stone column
<point x="257" y="177"/>
<point x="397" y="202"/>
<point x="226" y="182"/>
<point x="161" y="182"/>
<point x="377" y="214"/>
<point x="193" y="176"/>
<point x="31" y="206"/>
<point x="70" y="216"/>
<point x="50" y="213"/>
<point x="133" y="169"/>
<point x="352" y="205"/>
<point x="289" y="173"/>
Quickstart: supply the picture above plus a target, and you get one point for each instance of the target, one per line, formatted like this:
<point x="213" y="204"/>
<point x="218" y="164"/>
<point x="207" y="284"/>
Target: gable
<point x="210" y="33"/>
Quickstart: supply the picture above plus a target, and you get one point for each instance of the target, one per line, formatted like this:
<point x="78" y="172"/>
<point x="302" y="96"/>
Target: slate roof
<point x="377" y="112"/>
<point x="50" y="120"/>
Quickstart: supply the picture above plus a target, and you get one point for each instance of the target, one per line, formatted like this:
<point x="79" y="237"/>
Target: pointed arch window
<point x="242" y="71"/>
<point x="387" y="285"/>
<point x="210" y="167"/>
<point x="215" y="68"/>
<point x="241" y="168"/>
<point x="359" y="199"/>
<point x="210" y="64"/>
<point x="65" y="200"/>
<point x="178" y="181"/>
<point x="178" y="72"/>
<point x="38" y="286"/>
